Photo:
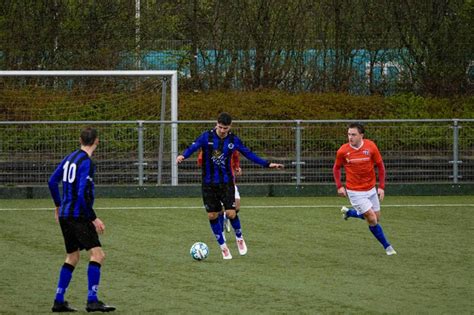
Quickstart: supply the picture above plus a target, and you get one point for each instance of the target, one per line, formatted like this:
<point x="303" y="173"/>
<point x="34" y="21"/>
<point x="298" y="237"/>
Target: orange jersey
<point x="234" y="162"/>
<point x="359" y="166"/>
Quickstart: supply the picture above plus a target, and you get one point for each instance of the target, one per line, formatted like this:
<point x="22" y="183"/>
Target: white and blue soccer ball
<point x="199" y="251"/>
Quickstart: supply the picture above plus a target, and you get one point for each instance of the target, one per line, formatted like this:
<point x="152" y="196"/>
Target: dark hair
<point x="224" y="119"/>
<point x="88" y="136"/>
<point x="359" y="127"/>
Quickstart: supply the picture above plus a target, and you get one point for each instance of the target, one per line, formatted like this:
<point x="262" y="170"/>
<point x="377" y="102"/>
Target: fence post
<point x="455" y="160"/>
<point x="140" y="153"/>
<point x="298" y="162"/>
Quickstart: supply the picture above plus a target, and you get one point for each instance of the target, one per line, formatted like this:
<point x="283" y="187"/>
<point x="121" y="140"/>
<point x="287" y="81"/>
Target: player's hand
<point x="381" y="193"/>
<point x="99" y="225"/>
<point x="179" y="159"/>
<point x="56" y="214"/>
<point x="276" y="165"/>
<point x="238" y="171"/>
<point x="341" y="191"/>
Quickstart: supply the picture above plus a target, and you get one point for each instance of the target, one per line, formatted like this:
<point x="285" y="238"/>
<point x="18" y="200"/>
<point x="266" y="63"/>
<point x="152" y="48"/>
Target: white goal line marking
<point x="248" y="207"/>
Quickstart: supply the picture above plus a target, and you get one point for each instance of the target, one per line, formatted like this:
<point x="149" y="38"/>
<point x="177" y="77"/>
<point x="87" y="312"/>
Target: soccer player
<point x="218" y="189"/>
<point x="236" y="171"/>
<point x="358" y="157"/>
<point x="79" y="224"/>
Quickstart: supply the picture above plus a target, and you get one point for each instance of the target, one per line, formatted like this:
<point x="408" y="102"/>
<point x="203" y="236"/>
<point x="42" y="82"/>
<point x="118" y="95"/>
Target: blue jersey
<point x="76" y="172"/>
<point x="217" y="154"/>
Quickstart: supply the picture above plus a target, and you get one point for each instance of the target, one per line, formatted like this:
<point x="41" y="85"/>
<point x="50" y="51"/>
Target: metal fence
<point x="139" y="153"/>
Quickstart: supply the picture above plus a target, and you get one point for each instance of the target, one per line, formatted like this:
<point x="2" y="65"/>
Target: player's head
<point x="89" y="136"/>
<point x="358" y="126"/>
<point x="224" y="121"/>
<point x="355" y="133"/>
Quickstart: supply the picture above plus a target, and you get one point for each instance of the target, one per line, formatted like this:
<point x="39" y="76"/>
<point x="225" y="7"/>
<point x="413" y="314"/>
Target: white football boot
<point x="390" y="251"/>
<point x="241" y="246"/>
<point x="226" y="252"/>
<point x="344" y="212"/>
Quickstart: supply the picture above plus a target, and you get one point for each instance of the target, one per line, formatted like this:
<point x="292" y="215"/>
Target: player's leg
<point x="212" y="203"/>
<point x="96" y="261"/>
<point x="67" y="269"/>
<point x="222" y="221"/>
<point x="90" y="241"/>
<point x="231" y="213"/>
<point x="364" y="203"/>
<point x="378" y="231"/>
<point x="351" y="213"/>
<point x="227" y="223"/>
<point x="65" y="276"/>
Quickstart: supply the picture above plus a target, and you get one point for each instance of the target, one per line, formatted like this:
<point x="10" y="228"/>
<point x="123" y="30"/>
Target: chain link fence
<point x="136" y="153"/>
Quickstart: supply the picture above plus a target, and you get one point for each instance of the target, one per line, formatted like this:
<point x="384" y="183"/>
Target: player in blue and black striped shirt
<point x="79" y="224"/>
<point x="217" y="147"/>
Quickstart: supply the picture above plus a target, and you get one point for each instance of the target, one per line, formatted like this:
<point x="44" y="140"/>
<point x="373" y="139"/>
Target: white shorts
<point x="362" y="201"/>
<point x="237" y="194"/>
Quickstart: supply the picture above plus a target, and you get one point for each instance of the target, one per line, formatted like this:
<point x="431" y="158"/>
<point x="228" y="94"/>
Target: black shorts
<point x="216" y="196"/>
<point x="79" y="234"/>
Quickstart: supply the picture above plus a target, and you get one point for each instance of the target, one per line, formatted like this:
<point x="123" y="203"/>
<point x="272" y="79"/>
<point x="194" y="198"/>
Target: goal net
<point x="42" y="113"/>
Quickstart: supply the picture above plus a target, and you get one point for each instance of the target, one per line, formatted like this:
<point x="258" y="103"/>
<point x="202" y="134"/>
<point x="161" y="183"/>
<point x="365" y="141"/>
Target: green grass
<point x="302" y="259"/>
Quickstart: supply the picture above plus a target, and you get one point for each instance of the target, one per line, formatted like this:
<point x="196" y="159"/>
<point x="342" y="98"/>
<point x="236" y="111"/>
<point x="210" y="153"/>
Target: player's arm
<point x="53" y="185"/>
<point x="199" y="159"/>
<point x="336" y="171"/>
<point x="381" y="170"/>
<point x="253" y="157"/>
<point x="235" y="162"/>
<point x="83" y="172"/>
<point x="196" y="145"/>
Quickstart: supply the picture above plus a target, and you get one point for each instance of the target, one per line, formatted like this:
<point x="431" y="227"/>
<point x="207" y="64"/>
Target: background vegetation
<point x="294" y="45"/>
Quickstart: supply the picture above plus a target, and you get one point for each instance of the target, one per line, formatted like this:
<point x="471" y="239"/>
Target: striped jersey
<point x="76" y="172"/>
<point x="217" y="156"/>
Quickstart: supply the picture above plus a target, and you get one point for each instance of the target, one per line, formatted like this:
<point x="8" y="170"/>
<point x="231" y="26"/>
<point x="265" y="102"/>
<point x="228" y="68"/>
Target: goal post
<point x="122" y="73"/>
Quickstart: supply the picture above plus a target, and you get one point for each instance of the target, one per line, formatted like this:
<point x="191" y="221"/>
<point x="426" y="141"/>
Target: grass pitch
<point x="303" y="258"/>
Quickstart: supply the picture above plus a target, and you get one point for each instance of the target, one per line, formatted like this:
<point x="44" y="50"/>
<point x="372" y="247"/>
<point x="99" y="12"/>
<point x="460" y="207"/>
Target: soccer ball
<point x="199" y="251"/>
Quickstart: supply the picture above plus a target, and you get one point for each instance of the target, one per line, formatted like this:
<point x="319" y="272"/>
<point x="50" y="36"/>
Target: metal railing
<point x="141" y="153"/>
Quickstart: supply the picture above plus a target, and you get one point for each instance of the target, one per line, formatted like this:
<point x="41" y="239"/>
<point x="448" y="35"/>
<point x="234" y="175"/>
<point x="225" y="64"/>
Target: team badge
<point x="230" y="146"/>
<point x="366" y="152"/>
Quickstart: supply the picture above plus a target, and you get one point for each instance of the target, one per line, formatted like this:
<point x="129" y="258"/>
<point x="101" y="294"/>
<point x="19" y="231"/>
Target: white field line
<point x="250" y="207"/>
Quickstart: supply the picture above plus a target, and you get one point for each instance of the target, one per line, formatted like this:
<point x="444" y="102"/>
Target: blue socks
<point x="352" y="213"/>
<point x="378" y="233"/>
<point x="93" y="277"/>
<point x="216" y="227"/>
<point x="65" y="276"/>
<point x="235" y="222"/>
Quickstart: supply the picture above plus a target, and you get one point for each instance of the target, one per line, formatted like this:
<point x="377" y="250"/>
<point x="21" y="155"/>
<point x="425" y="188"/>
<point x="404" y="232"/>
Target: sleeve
<point x="199" y="160"/>
<point x="235" y="160"/>
<point x="53" y="184"/>
<point x="381" y="169"/>
<point x="377" y="158"/>
<point x="336" y="170"/>
<point x="249" y="154"/>
<point x="198" y="143"/>
<point x="83" y="172"/>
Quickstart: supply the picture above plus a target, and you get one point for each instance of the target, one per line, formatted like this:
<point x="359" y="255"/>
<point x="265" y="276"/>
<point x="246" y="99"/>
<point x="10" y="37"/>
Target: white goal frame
<point x="124" y="73"/>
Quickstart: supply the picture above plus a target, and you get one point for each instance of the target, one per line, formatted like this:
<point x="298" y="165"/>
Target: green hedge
<point x="279" y="105"/>
<point x="50" y="104"/>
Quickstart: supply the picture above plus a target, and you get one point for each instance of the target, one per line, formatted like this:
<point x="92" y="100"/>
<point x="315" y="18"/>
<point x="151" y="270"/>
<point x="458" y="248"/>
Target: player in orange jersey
<point x="358" y="158"/>
<point x="236" y="171"/>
